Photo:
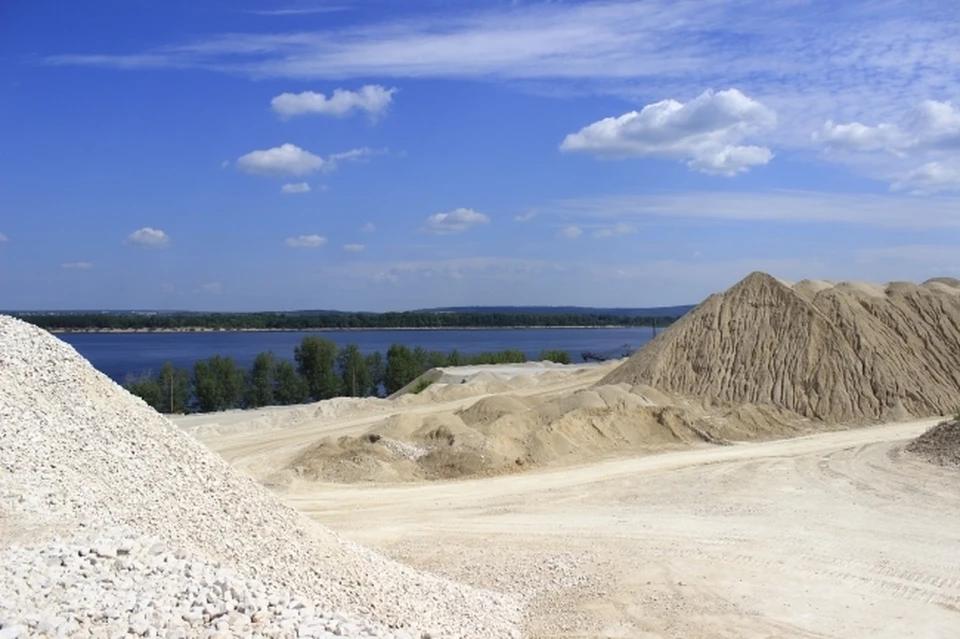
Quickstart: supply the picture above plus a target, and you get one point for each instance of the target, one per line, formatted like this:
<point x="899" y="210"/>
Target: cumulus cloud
<point x="80" y="266"/>
<point x="353" y="248"/>
<point x="456" y="221"/>
<point x="932" y="177"/>
<point x="570" y="232"/>
<point x="286" y="159"/>
<point x="622" y="228"/>
<point x="306" y="241"/>
<point x="931" y="132"/>
<point x="706" y="133"/>
<point x="933" y="126"/>
<point x="372" y="98"/>
<point x="293" y="189"/>
<point x="148" y="237"/>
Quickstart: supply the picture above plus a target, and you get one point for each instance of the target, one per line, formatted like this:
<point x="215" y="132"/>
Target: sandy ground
<point x="838" y="534"/>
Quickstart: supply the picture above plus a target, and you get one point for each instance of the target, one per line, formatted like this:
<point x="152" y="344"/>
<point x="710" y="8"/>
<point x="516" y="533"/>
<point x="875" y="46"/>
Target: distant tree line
<point x="306" y="321"/>
<point x="320" y="371"/>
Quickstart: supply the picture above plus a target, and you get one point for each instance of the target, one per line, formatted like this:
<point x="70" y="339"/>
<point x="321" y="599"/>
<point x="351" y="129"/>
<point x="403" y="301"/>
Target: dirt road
<point x="838" y="534"/>
<point x="832" y="535"/>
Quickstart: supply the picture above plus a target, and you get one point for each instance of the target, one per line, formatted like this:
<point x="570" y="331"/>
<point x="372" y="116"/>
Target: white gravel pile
<point x="80" y="456"/>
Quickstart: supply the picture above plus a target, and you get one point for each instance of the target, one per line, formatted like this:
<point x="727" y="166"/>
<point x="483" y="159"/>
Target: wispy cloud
<point x="294" y="11"/>
<point x="4" y="239"/>
<point x="211" y="287"/>
<point x="456" y="221"/>
<point x="79" y="266"/>
<point x="148" y="237"/>
<point x="372" y="99"/>
<point x="369" y="227"/>
<point x="860" y="62"/>
<point x="892" y="211"/>
<point x="353" y="248"/>
<point x="615" y="230"/>
<point x="525" y="217"/>
<point x="570" y="232"/>
<point x="306" y="241"/>
<point x="295" y="188"/>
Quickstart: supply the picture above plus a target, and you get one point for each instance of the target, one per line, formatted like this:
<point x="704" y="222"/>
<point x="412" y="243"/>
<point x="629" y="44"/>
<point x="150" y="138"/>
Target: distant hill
<point x="659" y="311"/>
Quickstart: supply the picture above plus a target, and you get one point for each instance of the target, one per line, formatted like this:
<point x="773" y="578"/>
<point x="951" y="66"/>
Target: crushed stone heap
<point x="80" y="455"/>
<point x="939" y="445"/>
<point x="844" y="353"/>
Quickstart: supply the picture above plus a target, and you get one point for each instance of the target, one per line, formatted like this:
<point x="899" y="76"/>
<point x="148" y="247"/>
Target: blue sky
<point x="374" y="155"/>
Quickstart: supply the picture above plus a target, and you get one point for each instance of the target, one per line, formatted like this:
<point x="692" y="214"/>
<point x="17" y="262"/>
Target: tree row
<point x="320" y="370"/>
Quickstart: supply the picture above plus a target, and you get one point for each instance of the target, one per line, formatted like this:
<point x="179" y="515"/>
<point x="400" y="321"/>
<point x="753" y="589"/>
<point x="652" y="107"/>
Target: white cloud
<point x="621" y="228"/>
<point x="211" y="287"/>
<point x="932" y="177"/>
<point x="306" y="241"/>
<point x="705" y="133"/>
<point x="455" y="221"/>
<point x="372" y="98"/>
<point x="292" y="189"/>
<point x="889" y="211"/>
<point x="148" y="237"/>
<point x="856" y="136"/>
<point x="286" y="159"/>
<point x="570" y="232"/>
<point x="81" y="266"/>
<point x="3" y="238"/>
<point x="933" y="126"/>
<point x="225" y="164"/>
<point x="369" y="227"/>
<point x="353" y="248"/>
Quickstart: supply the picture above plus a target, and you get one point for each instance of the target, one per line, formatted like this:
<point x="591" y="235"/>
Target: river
<point x="121" y="354"/>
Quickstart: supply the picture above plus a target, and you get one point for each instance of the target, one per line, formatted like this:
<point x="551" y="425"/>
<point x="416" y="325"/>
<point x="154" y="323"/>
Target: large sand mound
<point x="940" y="444"/>
<point x="841" y="353"/>
<point x="77" y="451"/>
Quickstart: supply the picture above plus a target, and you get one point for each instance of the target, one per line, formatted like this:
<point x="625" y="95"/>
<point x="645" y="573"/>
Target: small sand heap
<point x="842" y="353"/>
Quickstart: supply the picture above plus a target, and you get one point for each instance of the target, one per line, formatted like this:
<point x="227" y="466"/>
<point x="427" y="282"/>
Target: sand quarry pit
<point x="713" y="485"/>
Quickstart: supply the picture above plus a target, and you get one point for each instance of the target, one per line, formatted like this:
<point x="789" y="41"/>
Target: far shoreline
<point x="63" y="331"/>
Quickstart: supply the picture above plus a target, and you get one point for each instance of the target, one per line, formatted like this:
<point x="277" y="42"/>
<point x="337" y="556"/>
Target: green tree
<point x="218" y="384"/>
<point x="146" y="387"/>
<point x="437" y="359"/>
<point x="174" y="383"/>
<point x="289" y="388"/>
<point x="558" y="356"/>
<point x="422" y="359"/>
<point x="377" y="370"/>
<point x="402" y="368"/>
<point x="353" y="371"/>
<point x="260" y="385"/>
<point x="316" y="362"/>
